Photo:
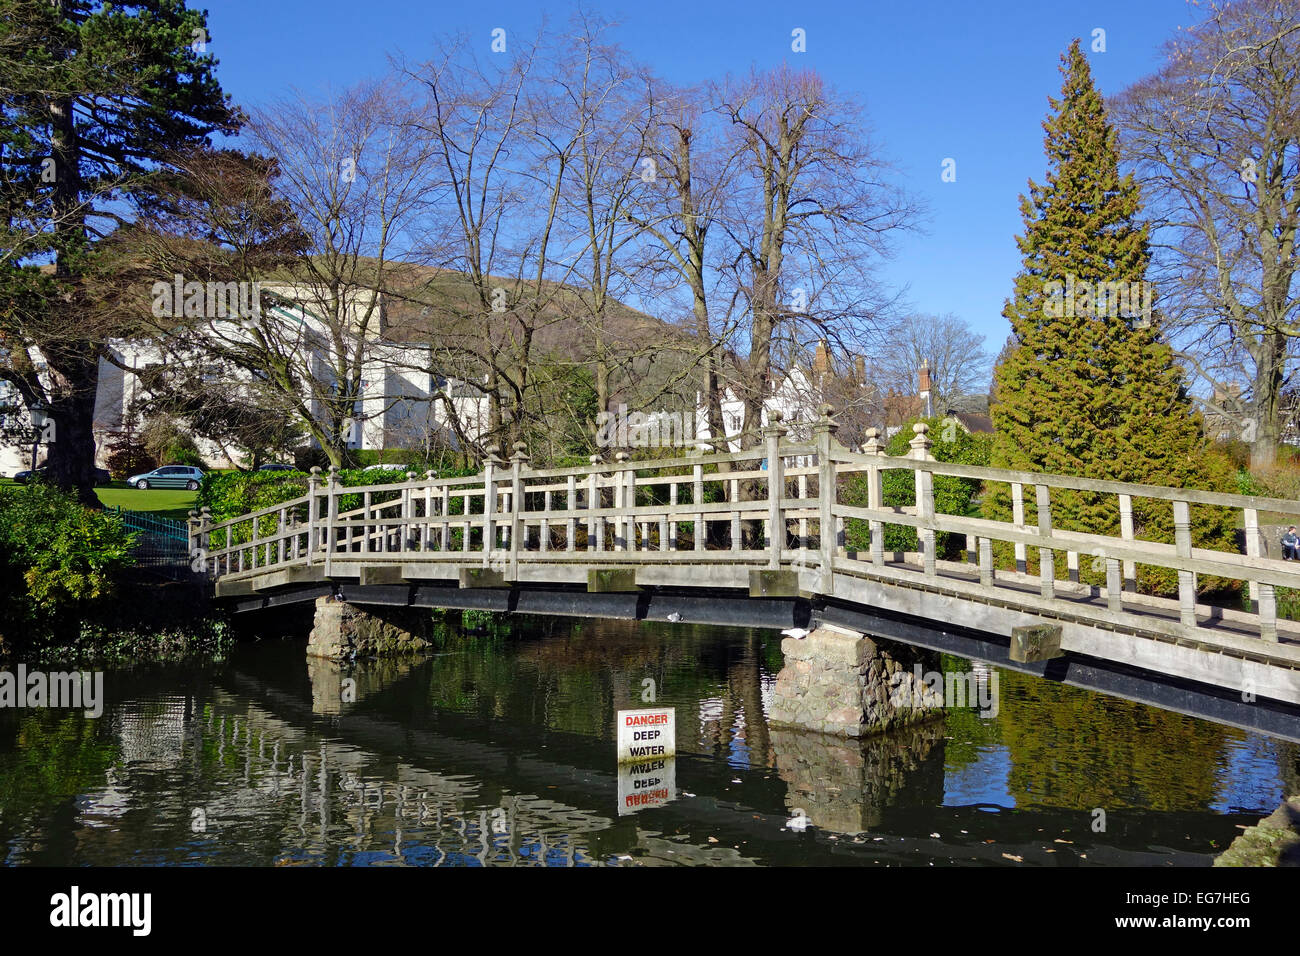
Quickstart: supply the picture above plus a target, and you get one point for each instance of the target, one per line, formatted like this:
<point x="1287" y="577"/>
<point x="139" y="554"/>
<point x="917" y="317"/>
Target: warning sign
<point x="646" y="735"/>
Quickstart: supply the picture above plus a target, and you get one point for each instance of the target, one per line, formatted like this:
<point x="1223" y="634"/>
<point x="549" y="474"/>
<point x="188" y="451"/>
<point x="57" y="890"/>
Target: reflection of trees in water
<point x="1074" y="749"/>
<point x="581" y="674"/>
<point x="845" y="785"/>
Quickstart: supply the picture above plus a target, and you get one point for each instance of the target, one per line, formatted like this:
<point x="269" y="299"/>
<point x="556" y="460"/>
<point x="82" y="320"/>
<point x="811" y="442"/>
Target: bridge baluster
<point x="824" y="431"/>
<point x="1126" y="532"/>
<point x="672" y="532"/>
<point x="1186" y="579"/>
<point x="875" y="496"/>
<point x="489" y="502"/>
<point x="735" y="514"/>
<point x="444" y="541"/>
<point x="545" y="543"/>
<point x="775" y="488"/>
<point x="517" y="528"/>
<point x="367" y="500"/>
<point x="426" y="536"/>
<point x="570" y="522"/>
<point x="1018" y="519"/>
<point x="697" y="498"/>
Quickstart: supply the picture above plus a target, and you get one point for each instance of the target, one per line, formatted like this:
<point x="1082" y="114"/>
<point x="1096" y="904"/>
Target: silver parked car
<point x="168" y="476"/>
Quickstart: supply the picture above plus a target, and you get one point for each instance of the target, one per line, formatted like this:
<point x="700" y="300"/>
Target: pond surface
<point x="500" y="750"/>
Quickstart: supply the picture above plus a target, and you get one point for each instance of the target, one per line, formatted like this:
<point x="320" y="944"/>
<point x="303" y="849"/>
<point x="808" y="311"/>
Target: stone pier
<point x="844" y="683"/>
<point x="344" y="631"/>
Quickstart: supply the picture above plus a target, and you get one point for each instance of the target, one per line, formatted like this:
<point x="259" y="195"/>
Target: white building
<point x="398" y="408"/>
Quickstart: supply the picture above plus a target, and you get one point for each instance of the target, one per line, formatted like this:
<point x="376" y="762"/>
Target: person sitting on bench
<point x="1290" y="545"/>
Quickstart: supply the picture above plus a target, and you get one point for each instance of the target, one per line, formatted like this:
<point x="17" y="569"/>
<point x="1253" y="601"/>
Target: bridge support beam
<point x="841" y="682"/>
<point x="344" y="631"/>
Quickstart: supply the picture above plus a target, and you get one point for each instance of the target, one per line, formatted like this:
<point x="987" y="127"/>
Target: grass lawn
<point x="165" y="503"/>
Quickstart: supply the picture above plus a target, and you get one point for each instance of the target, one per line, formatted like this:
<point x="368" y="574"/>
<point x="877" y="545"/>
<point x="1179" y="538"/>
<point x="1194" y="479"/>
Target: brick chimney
<point x="822" y="360"/>
<point x="923" y="388"/>
<point x="860" y="370"/>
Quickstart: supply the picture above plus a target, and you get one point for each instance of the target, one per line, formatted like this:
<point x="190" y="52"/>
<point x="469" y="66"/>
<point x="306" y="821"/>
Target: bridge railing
<point x="767" y="508"/>
<point x="1031" y="529"/>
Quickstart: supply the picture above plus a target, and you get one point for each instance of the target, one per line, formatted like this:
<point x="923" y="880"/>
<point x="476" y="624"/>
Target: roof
<point x="978" y="424"/>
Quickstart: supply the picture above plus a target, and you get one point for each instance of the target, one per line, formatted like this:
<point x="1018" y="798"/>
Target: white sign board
<point x="646" y="735"/>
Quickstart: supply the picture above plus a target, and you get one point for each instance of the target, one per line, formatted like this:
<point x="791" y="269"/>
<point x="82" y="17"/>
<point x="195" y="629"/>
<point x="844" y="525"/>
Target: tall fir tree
<point x="1088" y="387"/>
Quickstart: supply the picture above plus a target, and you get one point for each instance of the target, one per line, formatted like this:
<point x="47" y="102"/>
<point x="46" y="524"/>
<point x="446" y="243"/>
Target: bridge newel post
<point x="518" y="461"/>
<point x="623" y="541"/>
<point x="490" y="463"/>
<point x="192" y="532"/>
<point x="875" y="495"/>
<point x="595" y="538"/>
<point x="823" y="433"/>
<point x="1263" y="598"/>
<point x="331" y="516"/>
<point x="426" y="536"/>
<point x="408" y="512"/>
<point x="205" y="534"/>
<point x="1046" y="556"/>
<point x="773" y="434"/>
<point x="920" y="446"/>
<point x="313" y="491"/>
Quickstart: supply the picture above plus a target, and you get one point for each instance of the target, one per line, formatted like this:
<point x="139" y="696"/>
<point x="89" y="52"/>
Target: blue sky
<point x="939" y="79"/>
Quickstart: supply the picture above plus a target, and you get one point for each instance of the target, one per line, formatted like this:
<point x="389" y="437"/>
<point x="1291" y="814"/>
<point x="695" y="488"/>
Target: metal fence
<point x="161" y="544"/>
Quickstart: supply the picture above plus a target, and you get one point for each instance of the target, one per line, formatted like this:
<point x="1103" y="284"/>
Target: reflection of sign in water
<point x="646" y="735"/>
<point x="651" y="783"/>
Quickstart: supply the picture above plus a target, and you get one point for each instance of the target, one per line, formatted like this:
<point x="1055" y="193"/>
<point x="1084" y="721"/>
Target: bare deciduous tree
<point x="1215" y="136"/>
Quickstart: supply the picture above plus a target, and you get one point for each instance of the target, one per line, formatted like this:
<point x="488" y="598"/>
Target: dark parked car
<point x="275" y="466"/>
<point x="102" y="477"/>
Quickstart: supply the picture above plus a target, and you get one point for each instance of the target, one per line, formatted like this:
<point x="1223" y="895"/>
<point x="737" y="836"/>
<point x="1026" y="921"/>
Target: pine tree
<point x="1088" y="387"/>
<point x="97" y="99"/>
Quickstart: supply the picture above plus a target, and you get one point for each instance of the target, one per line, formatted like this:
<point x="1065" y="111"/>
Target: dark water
<point x="500" y="751"/>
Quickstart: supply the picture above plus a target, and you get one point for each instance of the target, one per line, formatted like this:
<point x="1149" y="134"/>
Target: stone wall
<point x="1275" y="841"/>
<point x="843" y="683"/>
<point x="344" y="631"/>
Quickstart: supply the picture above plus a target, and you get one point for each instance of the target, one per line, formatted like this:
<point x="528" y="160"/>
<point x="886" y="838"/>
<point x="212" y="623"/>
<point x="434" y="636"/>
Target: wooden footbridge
<point x="758" y="538"/>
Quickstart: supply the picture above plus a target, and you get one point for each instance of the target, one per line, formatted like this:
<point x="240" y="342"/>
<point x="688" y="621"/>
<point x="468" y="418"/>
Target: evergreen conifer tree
<point x="1088" y="387"/>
